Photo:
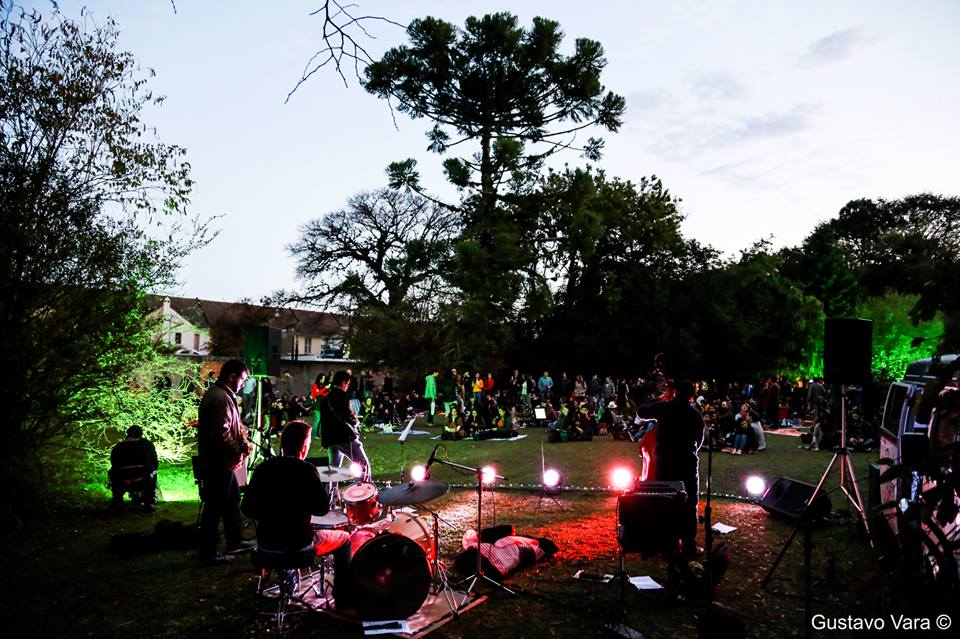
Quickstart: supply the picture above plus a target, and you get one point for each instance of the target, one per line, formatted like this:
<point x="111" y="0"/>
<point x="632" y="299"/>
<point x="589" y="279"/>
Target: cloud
<point x="688" y="136"/>
<point x="717" y="86"/>
<point x="835" y="47"/>
<point x="648" y="100"/>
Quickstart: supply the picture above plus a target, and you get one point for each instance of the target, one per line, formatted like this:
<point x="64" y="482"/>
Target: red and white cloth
<point x="505" y="553"/>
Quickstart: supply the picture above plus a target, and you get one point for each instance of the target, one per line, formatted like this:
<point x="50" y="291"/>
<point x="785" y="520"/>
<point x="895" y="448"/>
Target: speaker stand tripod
<point x="847" y="475"/>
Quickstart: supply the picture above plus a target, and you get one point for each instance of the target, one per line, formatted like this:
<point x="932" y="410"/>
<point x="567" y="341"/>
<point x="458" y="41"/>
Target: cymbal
<point x="413" y="492"/>
<point x="333" y="473"/>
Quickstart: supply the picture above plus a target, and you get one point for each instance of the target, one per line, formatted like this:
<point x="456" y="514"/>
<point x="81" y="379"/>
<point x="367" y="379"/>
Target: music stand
<point x="479" y="575"/>
<point x="402" y="439"/>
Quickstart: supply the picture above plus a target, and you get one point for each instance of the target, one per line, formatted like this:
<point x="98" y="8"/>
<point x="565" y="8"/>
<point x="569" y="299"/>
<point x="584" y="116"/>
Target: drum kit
<point x="394" y="562"/>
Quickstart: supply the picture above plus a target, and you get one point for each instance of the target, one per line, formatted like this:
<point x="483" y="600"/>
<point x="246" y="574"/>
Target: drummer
<point x="283" y="494"/>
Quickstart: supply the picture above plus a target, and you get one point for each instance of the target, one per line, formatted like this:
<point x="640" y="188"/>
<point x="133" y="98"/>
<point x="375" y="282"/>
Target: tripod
<point x="545" y="491"/>
<point x="806" y="517"/>
<point x="479" y="575"/>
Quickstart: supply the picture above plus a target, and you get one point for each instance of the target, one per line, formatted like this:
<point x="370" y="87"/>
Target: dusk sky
<point x="764" y="117"/>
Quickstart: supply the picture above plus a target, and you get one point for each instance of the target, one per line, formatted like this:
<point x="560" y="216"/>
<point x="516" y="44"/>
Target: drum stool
<point x="288" y="565"/>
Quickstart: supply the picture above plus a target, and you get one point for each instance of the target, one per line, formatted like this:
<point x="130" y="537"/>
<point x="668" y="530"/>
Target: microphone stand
<point x="479" y="575"/>
<point x="402" y="439"/>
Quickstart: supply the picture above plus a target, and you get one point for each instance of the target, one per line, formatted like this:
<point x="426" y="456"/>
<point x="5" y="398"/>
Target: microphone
<point x="433" y="456"/>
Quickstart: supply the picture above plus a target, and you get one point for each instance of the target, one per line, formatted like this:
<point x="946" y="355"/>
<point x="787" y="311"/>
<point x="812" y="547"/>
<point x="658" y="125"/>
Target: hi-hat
<point x="334" y="473"/>
<point x="414" y="492"/>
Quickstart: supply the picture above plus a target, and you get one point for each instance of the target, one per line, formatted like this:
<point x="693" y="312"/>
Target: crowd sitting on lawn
<point x="574" y="408"/>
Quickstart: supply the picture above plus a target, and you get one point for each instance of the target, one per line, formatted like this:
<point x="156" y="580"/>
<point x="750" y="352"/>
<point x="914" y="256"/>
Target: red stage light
<point x="551" y="478"/>
<point x="418" y="472"/>
<point x="488" y="474"/>
<point x="622" y="478"/>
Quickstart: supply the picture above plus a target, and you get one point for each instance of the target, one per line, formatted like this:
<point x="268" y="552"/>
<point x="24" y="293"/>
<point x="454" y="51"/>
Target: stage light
<point x="756" y="485"/>
<point x="356" y="470"/>
<point x="622" y="478"/>
<point x="488" y="474"/>
<point x="552" y="478"/>
<point x="418" y="472"/>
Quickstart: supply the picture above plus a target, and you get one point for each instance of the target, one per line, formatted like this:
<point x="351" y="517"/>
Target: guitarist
<point x="339" y="426"/>
<point x="222" y="446"/>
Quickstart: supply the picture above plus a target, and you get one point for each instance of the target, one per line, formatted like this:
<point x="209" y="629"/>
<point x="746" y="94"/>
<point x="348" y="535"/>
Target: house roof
<point x="208" y="313"/>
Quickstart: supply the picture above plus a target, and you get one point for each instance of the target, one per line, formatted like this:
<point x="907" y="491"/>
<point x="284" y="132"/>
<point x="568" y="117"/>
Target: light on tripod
<point x="552" y="480"/>
<point x="622" y="479"/>
<point x="756" y="485"/>
<point x="356" y="470"/>
<point x="419" y="473"/>
<point x="488" y="474"/>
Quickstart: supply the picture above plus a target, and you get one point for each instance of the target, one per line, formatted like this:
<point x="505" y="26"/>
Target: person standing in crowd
<point x="340" y="428"/>
<point x="545" y="385"/>
<point x="816" y="393"/>
<point x="680" y="431"/>
<point x="222" y="446"/>
<point x="430" y="394"/>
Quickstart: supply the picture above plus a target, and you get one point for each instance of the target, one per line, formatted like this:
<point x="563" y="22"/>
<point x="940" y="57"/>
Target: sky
<point x="765" y="118"/>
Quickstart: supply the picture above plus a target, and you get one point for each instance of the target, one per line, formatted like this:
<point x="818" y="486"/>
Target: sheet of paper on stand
<point x="723" y="529"/>
<point x="645" y="583"/>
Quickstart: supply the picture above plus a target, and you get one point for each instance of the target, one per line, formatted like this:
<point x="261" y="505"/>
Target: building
<point x="206" y="328"/>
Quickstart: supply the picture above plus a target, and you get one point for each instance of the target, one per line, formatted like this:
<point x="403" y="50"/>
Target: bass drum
<point x="390" y="577"/>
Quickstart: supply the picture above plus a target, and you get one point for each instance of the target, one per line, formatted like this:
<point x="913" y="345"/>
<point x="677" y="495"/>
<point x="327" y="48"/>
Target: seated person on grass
<point x="133" y="469"/>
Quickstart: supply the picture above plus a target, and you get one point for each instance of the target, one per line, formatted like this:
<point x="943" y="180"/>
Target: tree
<point x="897" y="340"/>
<point x="382" y="260"/>
<point x="822" y="268"/>
<point x="80" y="185"/>
<point x="511" y="93"/>
<point x="614" y="250"/>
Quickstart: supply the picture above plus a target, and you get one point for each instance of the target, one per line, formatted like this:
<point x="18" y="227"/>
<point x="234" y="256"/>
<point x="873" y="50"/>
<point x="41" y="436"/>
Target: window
<point x="196" y="342"/>
<point x="177" y="337"/>
<point x="307" y="345"/>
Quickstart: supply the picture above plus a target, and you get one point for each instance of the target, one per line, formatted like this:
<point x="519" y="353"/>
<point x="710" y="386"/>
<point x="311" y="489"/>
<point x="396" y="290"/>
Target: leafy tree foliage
<point x="508" y="94"/>
<point x="897" y="340"/>
<point x="383" y="260"/>
<point x="79" y="181"/>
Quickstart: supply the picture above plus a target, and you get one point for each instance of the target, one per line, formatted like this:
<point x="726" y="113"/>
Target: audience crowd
<point x="575" y="407"/>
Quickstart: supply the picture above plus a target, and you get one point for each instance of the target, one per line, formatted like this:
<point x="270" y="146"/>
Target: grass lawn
<point x="62" y="580"/>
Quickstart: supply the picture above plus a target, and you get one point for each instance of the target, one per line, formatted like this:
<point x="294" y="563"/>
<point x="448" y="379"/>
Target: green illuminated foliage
<point x="897" y="341"/>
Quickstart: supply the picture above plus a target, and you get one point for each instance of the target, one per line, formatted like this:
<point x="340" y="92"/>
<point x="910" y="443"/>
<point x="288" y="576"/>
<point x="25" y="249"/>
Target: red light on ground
<point x="551" y="478"/>
<point x="418" y="472"/>
<point x="488" y="474"/>
<point x="622" y="478"/>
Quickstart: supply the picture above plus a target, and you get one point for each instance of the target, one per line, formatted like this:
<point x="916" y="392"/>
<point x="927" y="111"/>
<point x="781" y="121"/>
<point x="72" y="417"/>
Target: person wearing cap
<point x="133" y="469"/>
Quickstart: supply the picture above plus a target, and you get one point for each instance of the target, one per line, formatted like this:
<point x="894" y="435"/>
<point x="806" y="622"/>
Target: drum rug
<point x="434" y="613"/>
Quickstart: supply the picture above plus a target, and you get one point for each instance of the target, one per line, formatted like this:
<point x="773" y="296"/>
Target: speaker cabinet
<point x="652" y="517"/>
<point x="262" y="350"/>
<point x="788" y="497"/>
<point x="847" y="350"/>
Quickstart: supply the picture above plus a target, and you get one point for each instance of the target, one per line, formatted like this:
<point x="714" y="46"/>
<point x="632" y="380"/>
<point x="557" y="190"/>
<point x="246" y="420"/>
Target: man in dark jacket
<point x="679" y="437"/>
<point x="339" y="426"/>
<point x="222" y="446"/>
<point x="133" y="469"/>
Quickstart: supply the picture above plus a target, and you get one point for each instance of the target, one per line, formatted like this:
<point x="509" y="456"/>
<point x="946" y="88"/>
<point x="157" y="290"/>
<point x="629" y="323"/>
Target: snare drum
<point x="333" y="520"/>
<point x="360" y="503"/>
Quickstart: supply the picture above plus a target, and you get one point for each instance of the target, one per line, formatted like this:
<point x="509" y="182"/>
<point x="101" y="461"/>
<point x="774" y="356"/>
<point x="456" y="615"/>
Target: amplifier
<point x="651" y="518"/>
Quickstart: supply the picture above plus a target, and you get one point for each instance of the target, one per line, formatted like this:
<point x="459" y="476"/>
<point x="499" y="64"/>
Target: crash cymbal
<point x="412" y="492"/>
<point x="334" y="473"/>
